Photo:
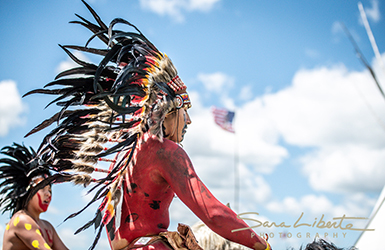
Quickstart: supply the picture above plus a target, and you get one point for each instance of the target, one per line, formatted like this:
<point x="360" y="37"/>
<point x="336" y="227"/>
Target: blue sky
<point x="309" y="120"/>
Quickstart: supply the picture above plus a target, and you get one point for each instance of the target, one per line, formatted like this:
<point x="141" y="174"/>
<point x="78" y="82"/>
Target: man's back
<point x="161" y="170"/>
<point x="146" y="195"/>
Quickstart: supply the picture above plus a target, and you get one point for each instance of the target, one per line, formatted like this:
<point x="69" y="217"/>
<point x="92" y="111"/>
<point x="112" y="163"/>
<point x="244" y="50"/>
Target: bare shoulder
<point x="46" y="224"/>
<point x="20" y="218"/>
<point x="17" y="226"/>
<point x="10" y="239"/>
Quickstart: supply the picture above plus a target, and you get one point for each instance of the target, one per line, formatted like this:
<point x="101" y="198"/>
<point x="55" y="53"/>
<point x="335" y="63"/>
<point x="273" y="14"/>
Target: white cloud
<point x="246" y="93"/>
<point x="71" y="240"/>
<point x="201" y="5"/>
<point x="253" y="190"/>
<point x="175" y="8"/>
<point x="333" y="113"/>
<point x="212" y="151"/>
<point x="312" y="206"/>
<point x="11" y="107"/>
<point x="255" y="139"/>
<point x="215" y="82"/>
<point x="346" y="168"/>
<point x="180" y="213"/>
<point x="324" y="109"/>
<point x="171" y="8"/>
<point x="82" y="240"/>
<point x="54" y="210"/>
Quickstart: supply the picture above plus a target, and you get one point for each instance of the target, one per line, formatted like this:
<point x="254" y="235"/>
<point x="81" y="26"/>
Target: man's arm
<point x="181" y="176"/>
<point x="28" y="231"/>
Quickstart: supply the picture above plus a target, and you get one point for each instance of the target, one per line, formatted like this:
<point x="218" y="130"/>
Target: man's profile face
<point x="176" y="123"/>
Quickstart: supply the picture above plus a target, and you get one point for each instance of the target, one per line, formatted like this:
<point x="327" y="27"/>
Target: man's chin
<point x="182" y="137"/>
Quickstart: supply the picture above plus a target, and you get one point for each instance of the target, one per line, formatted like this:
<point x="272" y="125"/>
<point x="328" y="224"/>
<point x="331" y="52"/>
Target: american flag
<point x="224" y="118"/>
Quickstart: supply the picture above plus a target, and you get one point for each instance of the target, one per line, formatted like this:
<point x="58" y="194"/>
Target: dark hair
<point x="17" y="172"/>
<point x="322" y="244"/>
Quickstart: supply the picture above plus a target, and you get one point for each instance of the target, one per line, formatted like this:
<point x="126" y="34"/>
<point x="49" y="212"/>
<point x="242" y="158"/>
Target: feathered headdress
<point x="114" y="103"/>
<point x="18" y="172"/>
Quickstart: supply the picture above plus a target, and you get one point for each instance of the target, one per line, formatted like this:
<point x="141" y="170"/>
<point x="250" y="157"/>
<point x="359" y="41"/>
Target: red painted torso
<point x="147" y="196"/>
<point x="161" y="170"/>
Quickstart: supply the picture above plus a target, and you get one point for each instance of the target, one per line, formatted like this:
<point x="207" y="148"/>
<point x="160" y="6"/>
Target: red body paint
<point x="50" y="240"/>
<point x="43" y="206"/>
<point x="162" y="170"/>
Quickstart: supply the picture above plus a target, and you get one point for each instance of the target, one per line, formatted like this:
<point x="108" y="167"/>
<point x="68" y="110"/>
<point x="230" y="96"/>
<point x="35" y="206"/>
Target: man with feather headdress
<point x="21" y="174"/>
<point x="134" y="103"/>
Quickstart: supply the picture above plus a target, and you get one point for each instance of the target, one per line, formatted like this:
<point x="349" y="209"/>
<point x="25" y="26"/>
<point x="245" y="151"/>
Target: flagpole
<point x="224" y="119"/>
<point x="236" y="175"/>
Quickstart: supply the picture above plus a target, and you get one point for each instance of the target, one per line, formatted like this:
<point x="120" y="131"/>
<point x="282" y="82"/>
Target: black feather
<point x="96" y="16"/>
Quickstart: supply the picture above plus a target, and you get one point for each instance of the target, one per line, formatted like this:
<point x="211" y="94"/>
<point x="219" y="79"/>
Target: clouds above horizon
<point x="175" y="9"/>
<point x="315" y="205"/>
<point x="330" y="111"/>
<point x="332" y="115"/>
<point x="80" y="240"/>
<point x="11" y="107"/>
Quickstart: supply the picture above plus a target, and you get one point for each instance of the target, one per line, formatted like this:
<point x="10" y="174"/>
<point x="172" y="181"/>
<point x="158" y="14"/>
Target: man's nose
<point x="188" y="119"/>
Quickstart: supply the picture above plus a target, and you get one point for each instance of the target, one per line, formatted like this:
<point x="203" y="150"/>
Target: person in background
<point x="20" y="174"/>
<point x="322" y="244"/>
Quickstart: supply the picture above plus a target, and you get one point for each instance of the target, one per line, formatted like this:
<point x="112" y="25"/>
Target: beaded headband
<point x="183" y="100"/>
<point x="179" y="88"/>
